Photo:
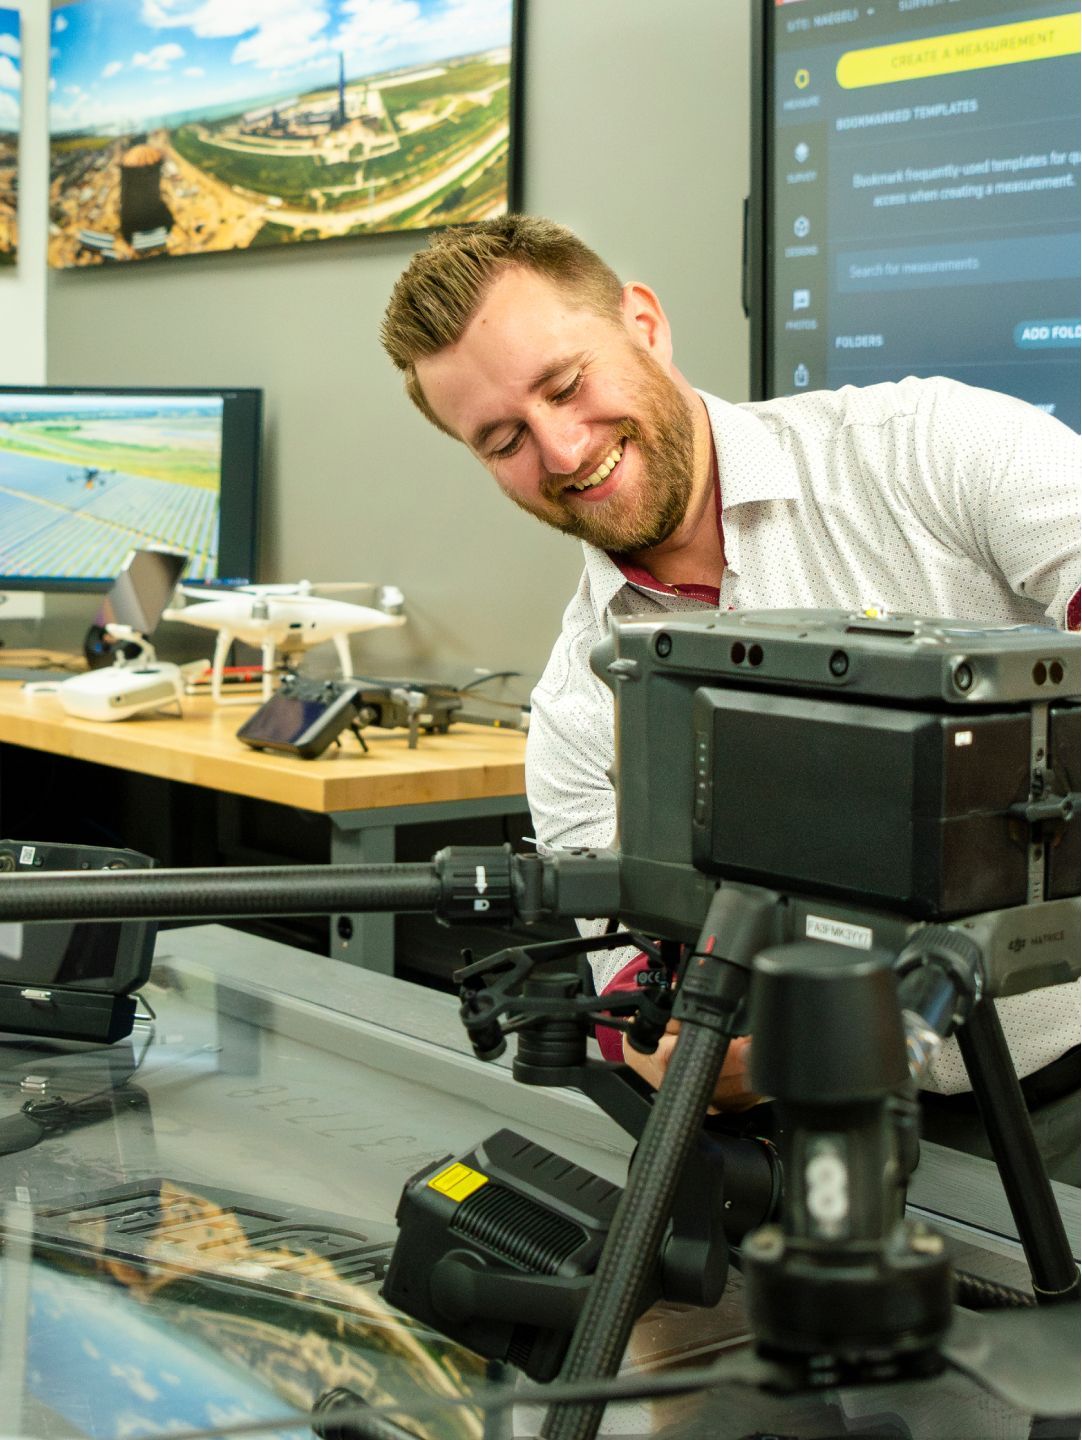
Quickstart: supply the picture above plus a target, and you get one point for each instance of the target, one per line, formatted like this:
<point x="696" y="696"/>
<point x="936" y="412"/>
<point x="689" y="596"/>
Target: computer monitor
<point x="87" y="474"/>
<point x="914" y="197"/>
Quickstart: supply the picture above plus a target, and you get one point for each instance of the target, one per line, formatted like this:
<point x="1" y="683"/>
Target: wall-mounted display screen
<point x="87" y="475"/>
<point x="181" y="129"/>
<point x="915" y="205"/>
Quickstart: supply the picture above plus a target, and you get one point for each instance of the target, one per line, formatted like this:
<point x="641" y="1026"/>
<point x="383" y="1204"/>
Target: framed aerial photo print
<point x="9" y="134"/>
<point x="180" y="127"/>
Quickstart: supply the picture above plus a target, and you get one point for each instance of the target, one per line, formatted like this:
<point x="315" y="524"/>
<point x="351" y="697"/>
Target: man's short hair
<point x="442" y="287"/>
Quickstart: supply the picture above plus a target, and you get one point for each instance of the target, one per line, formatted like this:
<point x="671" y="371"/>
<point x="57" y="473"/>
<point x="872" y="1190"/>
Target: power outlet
<point x="22" y="605"/>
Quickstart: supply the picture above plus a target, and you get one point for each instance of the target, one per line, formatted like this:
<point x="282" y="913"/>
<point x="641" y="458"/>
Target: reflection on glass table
<point x="176" y="1310"/>
<point x="211" y="1207"/>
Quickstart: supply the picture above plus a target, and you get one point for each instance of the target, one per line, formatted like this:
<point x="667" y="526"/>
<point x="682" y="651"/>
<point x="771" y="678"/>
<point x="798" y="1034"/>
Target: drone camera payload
<point x="508" y="1202"/>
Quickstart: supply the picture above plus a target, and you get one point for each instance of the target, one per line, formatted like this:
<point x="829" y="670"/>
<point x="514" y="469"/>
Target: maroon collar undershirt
<point x="638" y="575"/>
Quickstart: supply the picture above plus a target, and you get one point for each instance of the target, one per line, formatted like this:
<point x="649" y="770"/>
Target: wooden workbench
<point x="201" y="748"/>
<point x="473" y="770"/>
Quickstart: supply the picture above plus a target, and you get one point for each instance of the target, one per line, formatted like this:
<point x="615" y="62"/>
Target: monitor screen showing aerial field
<point x="84" y="479"/>
<point x="232" y="127"/>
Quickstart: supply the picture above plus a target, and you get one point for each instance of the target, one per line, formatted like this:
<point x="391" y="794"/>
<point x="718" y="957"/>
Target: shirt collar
<point x="752" y="464"/>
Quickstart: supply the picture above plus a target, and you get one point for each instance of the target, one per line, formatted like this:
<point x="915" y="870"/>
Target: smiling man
<point x="925" y="496"/>
<point x="568" y="395"/>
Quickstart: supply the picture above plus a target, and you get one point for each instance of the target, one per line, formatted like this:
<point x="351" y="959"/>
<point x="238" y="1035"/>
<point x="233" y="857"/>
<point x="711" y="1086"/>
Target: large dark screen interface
<point x="923" y="194"/>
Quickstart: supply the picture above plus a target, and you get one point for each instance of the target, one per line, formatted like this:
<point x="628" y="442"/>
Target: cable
<point x="147" y="1006"/>
<point x="974" y="1292"/>
<point x="38" y="660"/>
<point x="484" y="679"/>
<point x="502" y="1397"/>
<point x="106" y="1049"/>
<point x="342" y="1414"/>
<point x="457" y="692"/>
<point x="500" y="704"/>
<point x="43" y="1115"/>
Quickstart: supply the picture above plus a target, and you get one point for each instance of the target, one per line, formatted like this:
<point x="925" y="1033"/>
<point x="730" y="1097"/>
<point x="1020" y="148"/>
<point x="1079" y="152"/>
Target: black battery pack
<point x="913" y="808"/>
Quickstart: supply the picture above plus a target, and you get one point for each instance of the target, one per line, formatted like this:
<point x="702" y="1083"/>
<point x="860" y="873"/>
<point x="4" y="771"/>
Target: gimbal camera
<point x="845" y="834"/>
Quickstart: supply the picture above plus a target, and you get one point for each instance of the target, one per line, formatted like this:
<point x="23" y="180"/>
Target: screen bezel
<point x="239" y="490"/>
<point x="758" y="229"/>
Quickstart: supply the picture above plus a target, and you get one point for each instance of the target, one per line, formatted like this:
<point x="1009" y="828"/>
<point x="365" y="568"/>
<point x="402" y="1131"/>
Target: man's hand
<point x="732" y="1091"/>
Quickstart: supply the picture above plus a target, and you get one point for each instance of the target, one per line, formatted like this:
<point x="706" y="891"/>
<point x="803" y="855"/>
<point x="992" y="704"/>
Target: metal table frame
<point x="368" y="837"/>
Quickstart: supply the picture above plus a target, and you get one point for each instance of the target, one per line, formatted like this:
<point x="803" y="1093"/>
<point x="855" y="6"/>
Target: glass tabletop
<point x="198" y="1220"/>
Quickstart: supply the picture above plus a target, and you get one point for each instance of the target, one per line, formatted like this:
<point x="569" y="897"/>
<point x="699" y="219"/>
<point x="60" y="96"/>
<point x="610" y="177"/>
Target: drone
<point x="91" y="475"/>
<point x="282" y="621"/>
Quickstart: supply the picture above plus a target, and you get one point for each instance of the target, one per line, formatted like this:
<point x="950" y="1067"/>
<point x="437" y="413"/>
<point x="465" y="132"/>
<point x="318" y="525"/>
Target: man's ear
<point x="646" y="321"/>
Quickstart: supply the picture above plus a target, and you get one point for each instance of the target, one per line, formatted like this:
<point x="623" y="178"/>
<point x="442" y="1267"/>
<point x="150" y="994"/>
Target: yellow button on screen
<point x="458" y="1181"/>
<point x="965" y="50"/>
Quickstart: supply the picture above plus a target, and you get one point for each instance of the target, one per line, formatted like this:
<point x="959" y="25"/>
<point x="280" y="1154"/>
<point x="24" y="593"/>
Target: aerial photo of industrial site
<point x="84" y="479"/>
<point x="178" y="129"/>
<point x="9" y="133"/>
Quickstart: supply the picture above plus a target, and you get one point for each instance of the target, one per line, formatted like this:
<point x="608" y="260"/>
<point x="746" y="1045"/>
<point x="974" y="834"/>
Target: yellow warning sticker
<point x="458" y="1181"/>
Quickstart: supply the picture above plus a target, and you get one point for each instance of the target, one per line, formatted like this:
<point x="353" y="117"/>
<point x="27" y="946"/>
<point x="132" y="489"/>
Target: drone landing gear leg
<point x="267" y="654"/>
<point x="1029" y="1192"/>
<point x="222" y="643"/>
<point x="345" y="659"/>
<point x="708" y="1002"/>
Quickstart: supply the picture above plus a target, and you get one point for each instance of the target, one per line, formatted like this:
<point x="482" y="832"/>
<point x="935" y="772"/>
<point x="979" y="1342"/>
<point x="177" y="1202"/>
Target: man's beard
<point x="641" y="516"/>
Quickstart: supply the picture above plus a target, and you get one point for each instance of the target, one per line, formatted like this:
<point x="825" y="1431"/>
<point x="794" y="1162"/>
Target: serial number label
<point x="857" y="937"/>
<point x="1050" y="937"/>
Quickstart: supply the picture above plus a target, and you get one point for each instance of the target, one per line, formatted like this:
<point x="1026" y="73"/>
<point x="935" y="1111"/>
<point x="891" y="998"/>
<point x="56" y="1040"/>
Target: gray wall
<point x="636" y="135"/>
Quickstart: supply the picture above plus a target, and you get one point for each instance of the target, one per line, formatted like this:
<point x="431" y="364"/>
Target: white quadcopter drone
<point x="282" y="621"/>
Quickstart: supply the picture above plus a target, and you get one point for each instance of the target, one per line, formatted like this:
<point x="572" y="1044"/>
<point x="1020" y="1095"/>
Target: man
<point x="926" y="497"/>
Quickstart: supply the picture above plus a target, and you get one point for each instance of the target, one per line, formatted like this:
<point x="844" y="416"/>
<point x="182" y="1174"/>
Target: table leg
<point x="360" y="837"/>
<point x="368" y="939"/>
